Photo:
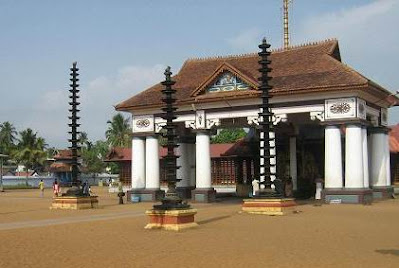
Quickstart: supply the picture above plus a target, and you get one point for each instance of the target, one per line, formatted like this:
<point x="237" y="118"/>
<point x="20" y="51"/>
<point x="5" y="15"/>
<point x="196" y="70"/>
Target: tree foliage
<point x="229" y="135"/>
<point x="93" y="155"/>
<point x="119" y="132"/>
<point x="7" y="138"/>
<point x="30" y="150"/>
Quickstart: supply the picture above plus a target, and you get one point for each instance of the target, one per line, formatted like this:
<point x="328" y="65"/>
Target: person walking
<point x="56" y="188"/>
<point x="41" y="187"/>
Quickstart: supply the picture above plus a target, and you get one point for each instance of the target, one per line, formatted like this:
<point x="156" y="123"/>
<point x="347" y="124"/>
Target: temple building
<point x="331" y="123"/>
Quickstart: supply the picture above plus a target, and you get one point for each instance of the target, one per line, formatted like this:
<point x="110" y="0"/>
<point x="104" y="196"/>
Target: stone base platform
<point x="74" y="202"/>
<point x="145" y="195"/>
<point x="347" y="196"/>
<point x="207" y="195"/>
<point x="272" y="206"/>
<point x="383" y="192"/>
<point x="184" y="192"/>
<point x="171" y="220"/>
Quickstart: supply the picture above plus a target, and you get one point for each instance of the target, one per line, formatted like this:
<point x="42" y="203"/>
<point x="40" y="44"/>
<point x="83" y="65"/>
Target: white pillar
<point x="183" y="162"/>
<point x="379" y="159"/>
<point x="138" y="163"/>
<point x="366" y="180"/>
<point x="152" y="163"/>
<point x="332" y="157"/>
<point x="293" y="163"/>
<point x="203" y="159"/>
<point x="388" y="160"/>
<point x="354" y="176"/>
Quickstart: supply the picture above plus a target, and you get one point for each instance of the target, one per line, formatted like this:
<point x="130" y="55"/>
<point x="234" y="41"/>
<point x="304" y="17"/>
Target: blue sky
<point x="122" y="47"/>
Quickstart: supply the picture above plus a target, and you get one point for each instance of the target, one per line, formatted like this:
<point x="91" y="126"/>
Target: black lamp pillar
<point x="171" y="200"/>
<point x="266" y="126"/>
<point x="75" y="148"/>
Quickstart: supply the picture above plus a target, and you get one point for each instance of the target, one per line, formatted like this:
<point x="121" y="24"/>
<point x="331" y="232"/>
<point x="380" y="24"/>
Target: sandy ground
<point x="31" y="235"/>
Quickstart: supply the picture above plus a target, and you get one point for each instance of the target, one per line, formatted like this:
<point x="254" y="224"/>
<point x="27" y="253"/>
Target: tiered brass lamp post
<point x="267" y="200"/>
<point x="173" y="214"/>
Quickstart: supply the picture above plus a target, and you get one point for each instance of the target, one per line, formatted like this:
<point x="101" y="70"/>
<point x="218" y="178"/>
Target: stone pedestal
<point x="383" y="192"/>
<point x="272" y="206"/>
<point x="74" y="202"/>
<point x="348" y="196"/>
<point x="185" y="192"/>
<point x="171" y="220"/>
<point x="146" y="195"/>
<point x="243" y="190"/>
<point x="207" y="195"/>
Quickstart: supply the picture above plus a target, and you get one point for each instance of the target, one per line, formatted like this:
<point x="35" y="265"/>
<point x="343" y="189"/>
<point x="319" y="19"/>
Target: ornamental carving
<point x="228" y="82"/>
<point x="340" y="108"/>
<point x="143" y="123"/>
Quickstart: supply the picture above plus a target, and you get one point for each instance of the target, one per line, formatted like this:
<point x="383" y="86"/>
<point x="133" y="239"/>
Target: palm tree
<point x="83" y="139"/>
<point x="7" y="137"/>
<point x="30" y="150"/>
<point x="118" y="132"/>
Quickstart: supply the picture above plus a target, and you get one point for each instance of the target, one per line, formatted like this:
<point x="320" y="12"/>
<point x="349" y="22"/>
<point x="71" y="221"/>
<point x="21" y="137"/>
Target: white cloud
<point x="246" y="41"/>
<point x="367" y="38"/>
<point x="97" y="99"/>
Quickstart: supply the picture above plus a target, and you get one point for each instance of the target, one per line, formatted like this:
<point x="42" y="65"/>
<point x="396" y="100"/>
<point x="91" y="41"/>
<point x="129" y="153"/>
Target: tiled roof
<point x="312" y="67"/>
<point x="63" y="154"/>
<point x="119" y="154"/>
<point x="60" y="167"/>
<point x="394" y="139"/>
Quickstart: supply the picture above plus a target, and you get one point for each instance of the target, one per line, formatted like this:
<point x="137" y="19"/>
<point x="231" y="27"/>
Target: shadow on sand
<point x="394" y="252"/>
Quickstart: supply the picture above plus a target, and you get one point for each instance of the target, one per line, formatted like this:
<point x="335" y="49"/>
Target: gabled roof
<point x="306" y="68"/>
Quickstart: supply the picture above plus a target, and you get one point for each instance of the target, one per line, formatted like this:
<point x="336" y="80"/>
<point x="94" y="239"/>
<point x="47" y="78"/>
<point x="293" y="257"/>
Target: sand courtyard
<point x="113" y="235"/>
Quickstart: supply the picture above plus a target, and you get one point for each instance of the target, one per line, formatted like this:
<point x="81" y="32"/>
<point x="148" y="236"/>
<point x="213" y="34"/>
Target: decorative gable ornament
<point x="225" y="78"/>
<point x="228" y="82"/>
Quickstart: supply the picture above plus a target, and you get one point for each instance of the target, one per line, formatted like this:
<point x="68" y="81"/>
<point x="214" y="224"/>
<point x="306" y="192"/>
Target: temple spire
<point x="286" y="25"/>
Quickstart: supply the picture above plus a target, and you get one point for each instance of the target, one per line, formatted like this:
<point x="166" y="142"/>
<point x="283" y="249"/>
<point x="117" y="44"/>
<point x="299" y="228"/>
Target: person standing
<point x="56" y="188"/>
<point x="41" y="187"/>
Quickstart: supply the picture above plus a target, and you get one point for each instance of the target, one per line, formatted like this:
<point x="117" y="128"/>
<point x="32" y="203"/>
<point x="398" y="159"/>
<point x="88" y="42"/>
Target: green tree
<point x="93" y="156"/>
<point x="83" y="139"/>
<point x="229" y="135"/>
<point x="30" y="150"/>
<point x="118" y="132"/>
<point x="7" y="137"/>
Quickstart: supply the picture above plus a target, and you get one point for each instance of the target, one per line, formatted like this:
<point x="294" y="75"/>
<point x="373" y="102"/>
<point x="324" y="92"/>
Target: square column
<point x="380" y="176"/>
<point x="204" y="191"/>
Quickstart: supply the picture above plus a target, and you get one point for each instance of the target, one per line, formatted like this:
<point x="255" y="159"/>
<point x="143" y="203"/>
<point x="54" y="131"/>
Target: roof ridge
<point x="232" y="56"/>
<point x="304" y="45"/>
<point x="251" y="54"/>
